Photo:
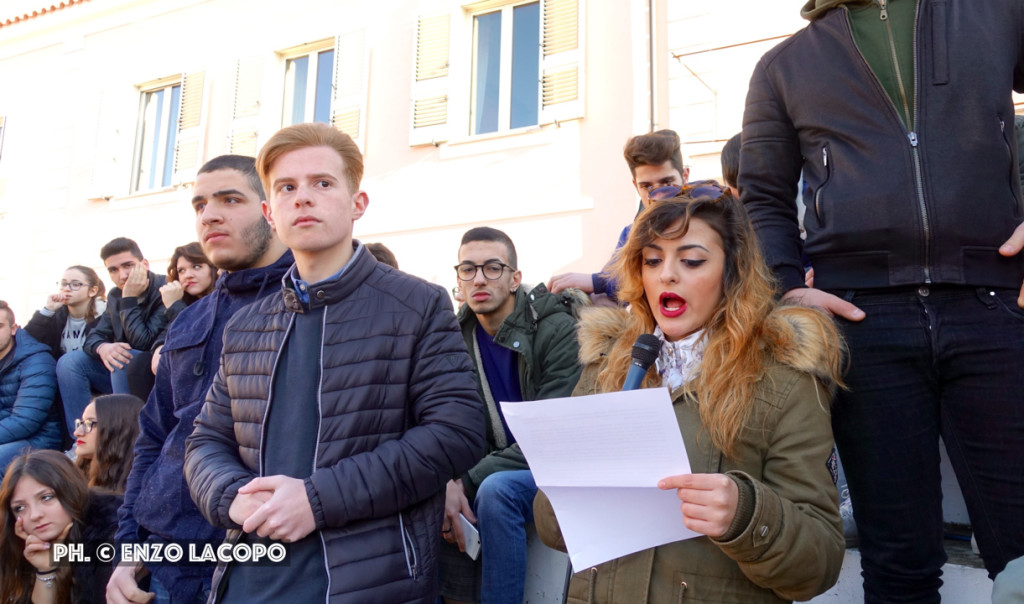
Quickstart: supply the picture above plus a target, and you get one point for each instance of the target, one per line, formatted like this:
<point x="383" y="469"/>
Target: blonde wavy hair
<point x="742" y="336"/>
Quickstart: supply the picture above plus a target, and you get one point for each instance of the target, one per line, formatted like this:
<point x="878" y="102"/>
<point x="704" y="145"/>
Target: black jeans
<point x="925" y="362"/>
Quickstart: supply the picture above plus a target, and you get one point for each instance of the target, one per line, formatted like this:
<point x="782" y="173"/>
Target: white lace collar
<point x="679" y="361"/>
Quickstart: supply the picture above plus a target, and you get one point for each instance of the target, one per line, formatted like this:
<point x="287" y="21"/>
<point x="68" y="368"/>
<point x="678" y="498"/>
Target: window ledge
<point x="144" y="198"/>
<point x="492" y="142"/>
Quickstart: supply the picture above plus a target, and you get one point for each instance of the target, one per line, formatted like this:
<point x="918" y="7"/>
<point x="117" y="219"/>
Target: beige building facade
<point x="508" y="113"/>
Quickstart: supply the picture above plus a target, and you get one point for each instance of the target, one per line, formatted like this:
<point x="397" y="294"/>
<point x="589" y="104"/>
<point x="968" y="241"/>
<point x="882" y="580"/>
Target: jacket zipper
<point x="884" y="16"/>
<point x="817" y="194"/>
<point x="270" y="394"/>
<point x="316" y="445"/>
<point x="918" y="177"/>
<point x="911" y="131"/>
<point x="410" y="547"/>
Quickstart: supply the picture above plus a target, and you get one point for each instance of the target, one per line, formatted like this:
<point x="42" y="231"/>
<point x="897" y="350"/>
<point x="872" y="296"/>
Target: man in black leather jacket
<point x="899" y="114"/>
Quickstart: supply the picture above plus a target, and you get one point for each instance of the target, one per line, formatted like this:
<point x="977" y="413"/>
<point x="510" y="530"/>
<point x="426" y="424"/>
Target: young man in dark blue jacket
<point x="899" y="113"/>
<point x="27" y="388"/>
<point x="342" y="406"/>
<point x="157" y="508"/>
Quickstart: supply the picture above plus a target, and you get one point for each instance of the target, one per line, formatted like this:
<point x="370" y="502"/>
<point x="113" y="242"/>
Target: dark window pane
<point x="297" y="75"/>
<point x="487" y="77"/>
<point x="172" y="135"/>
<point x="525" y="65"/>
<point x="324" y="73"/>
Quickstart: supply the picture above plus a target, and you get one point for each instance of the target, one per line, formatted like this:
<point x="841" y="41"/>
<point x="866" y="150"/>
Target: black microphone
<point x="645" y="351"/>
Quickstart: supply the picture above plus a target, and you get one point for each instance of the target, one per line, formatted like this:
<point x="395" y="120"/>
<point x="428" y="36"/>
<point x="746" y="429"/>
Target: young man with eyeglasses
<point x="116" y="355"/>
<point x="655" y="162"/>
<point x="342" y="406"/>
<point x="523" y="345"/>
<point x="27" y="388"/>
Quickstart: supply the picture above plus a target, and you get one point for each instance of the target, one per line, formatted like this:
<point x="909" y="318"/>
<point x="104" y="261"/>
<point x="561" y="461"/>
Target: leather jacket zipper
<point x="817" y="194"/>
<point x="884" y="16"/>
<point x="909" y="127"/>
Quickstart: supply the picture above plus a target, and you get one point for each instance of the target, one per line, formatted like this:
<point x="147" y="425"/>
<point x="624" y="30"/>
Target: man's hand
<point x="709" y="501"/>
<point x="455" y="503"/>
<point x="286" y="516"/>
<point x="155" y="361"/>
<point x="581" y="281"/>
<point x="55" y="301"/>
<point x="115" y="355"/>
<point x="1012" y="247"/>
<point x="122" y="588"/>
<point x="137" y="281"/>
<point x="833" y="305"/>
<point x="171" y="292"/>
<point x="245" y="504"/>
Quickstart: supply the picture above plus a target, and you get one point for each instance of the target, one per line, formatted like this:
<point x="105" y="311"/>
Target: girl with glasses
<point x="43" y="500"/>
<point x="750" y="382"/>
<point x="105" y="440"/>
<point x="71" y="312"/>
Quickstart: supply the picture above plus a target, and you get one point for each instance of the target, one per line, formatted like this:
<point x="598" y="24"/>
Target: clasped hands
<point x="275" y="507"/>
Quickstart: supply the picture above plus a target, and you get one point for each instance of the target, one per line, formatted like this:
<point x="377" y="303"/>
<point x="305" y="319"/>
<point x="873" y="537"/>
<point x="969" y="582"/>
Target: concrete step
<point x="965" y="580"/>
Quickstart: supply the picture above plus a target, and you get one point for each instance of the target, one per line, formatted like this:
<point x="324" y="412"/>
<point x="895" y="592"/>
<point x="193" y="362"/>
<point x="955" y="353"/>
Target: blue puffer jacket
<point x="157" y="505"/>
<point x="28" y="385"/>
<point x="400" y="416"/>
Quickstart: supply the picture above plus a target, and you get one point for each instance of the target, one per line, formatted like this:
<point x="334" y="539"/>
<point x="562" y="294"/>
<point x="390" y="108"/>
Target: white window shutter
<point x="246" y="112"/>
<point x="351" y="73"/>
<point x="561" y="64"/>
<point x="188" y="142"/>
<point x="428" y="122"/>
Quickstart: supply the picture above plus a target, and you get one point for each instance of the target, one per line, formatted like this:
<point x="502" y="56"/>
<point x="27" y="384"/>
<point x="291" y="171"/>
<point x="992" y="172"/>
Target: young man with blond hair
<point x="342" y="405"/>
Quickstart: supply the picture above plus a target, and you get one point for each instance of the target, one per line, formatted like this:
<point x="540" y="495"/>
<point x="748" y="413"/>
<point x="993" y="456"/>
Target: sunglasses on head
<point x="701" y="189"/>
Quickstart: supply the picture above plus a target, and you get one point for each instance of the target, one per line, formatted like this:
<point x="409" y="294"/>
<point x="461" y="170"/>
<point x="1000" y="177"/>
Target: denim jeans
<point x="8" y="451"/>
<point x="504" y="505"/>
<point x="78" y="375"/>
<point x="162" y="596"/>
<point x="928" y="362"/>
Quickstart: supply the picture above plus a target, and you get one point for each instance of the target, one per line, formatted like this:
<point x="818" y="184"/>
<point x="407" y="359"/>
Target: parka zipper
<point x="910" y="128"/>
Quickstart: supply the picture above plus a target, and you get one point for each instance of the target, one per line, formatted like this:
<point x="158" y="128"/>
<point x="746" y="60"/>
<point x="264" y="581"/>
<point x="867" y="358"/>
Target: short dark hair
<point x="10" y="311"/>
<point x="489" y="234"/>
<point x="382" y="254"/>
<point x="118" y="246"/>
<point x="731" y="161"/>
<point x="242" y="163"/>
<point x="654" y="149"/>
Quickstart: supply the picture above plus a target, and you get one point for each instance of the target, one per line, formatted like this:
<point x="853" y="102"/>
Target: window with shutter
<point x="429" y="115"/>
<point x="156" y="135"/>
<point x="351" y="73"/>
<point x="189" y="140"/>
<point x="246" y="110"/>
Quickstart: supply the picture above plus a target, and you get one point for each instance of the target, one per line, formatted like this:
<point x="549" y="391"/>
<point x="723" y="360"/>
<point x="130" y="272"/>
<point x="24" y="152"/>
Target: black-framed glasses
<point x="85" y="424"/>
<point x="72" y="285"/>
<point x="492" y="270"/>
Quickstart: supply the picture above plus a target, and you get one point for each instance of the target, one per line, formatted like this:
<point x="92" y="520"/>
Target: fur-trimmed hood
<point x="800" y="339"/>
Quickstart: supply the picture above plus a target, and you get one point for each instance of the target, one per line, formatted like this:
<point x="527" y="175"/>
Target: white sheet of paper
<point x="598" y="459"/>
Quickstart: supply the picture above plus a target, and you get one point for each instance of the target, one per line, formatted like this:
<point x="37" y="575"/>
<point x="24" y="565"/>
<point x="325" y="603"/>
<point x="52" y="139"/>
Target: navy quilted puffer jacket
<point x="400" y="416"/>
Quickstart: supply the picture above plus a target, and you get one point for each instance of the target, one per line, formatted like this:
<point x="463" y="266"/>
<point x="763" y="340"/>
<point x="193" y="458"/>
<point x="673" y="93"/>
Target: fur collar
<point x="802" y="343"/>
